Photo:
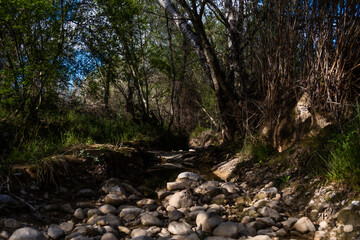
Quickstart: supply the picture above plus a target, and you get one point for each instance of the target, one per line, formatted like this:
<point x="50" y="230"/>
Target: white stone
<point x="348" y="228"/>
<point x="114" y="199"/>
<point x="124" y="229"/>
<point x="260" y="237"/>
<point x="323" y="225"/>
<point x="207" y="222"/>
<point x="138" y="232"/>
<point x="180" y="199"/>
<point x="304" y="225"/>
<point x="109" y="236"/>
<point x="230" y="187"/>
<point x="225" y="169"/>
<point x="177" y="228"/>
<point x="189" y="175"/>
<point x="108" y="209"/>
<point x="5" y="234"/>
<point x="27" y="233"/>
<point x="173" y="186"/>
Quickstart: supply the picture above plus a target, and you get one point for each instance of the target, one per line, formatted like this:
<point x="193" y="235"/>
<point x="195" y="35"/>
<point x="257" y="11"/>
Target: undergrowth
<point x="342" y="159"/>
<point x="53" y="132"/>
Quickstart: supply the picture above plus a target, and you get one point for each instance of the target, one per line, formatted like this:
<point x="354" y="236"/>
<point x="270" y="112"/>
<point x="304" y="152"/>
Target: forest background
<point x="110" y="71"/>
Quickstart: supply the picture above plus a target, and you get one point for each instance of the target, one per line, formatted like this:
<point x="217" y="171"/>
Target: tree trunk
<point x="202" y="47"/>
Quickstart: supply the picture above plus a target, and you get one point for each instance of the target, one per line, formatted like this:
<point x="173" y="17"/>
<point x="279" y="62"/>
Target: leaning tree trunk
<point x="202" y="47"/>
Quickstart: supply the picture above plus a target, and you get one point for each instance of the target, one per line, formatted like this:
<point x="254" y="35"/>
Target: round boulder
<point x="27" y="233"/>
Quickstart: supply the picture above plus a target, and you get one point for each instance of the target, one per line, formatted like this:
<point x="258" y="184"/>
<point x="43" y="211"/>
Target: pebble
<point x="108" y="209"/>
<point x="79" y="213"/>
<point x="348" y="228"/>
<point x="150" y="220"/>
<point x="109" y="236"/>
<point x="138" y="232"/>
<point x="5" y="234"/>
<point x="55" y="232"/>
<point x="178" y="228"/>
<point x="189" y="176"/>
<point x="227" y="229"/>
<point x="114" y="199"/>
<point x="67" y="227"/>
<point x="304" y="225"/>
<point x="213" y="210"/>
<point x="175" y="215"/>
<point x="180" y="200"/>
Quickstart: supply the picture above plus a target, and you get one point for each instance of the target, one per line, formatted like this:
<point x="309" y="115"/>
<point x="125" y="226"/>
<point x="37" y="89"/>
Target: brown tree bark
<point x="199" y="41"/>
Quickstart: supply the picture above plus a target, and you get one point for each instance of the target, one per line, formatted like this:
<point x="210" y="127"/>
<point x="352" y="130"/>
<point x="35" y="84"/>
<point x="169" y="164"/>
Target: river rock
<point x="269" y="212"/>
<point x="76" y="236"/>
<point x="108" y="219"/>
<point x="180" y="200"/>
<point x="114" y="199"/>
<point x="67" y="227"/>
<point x="267" y="231"/>
<point x="218" y="199"/>
<point x="138" y="232"/>
<point x="108" y="209"/>
<point x="348" y="228"/>
<point x="177" y="228"/>
<point x="350" y="214"/>
<point x="150" y="220"/>
<point x="207" y="221"/>
<point x="79" y="214"/>
<point x="109" y="236"/>
<point x="267" y="221"/>
<point x="129" y="188"/>
<point x="175" y="215"/>
<point x="231" y="187"/>
<point x="208" y="188"/>
<point x="130" y="211"/>
<point x="142" y="238"/>
<point x="189" y="176"/>
<point x="267" y="193"/>
<point x="110" y="183"/>
<point x="289" y="223"/>
<point x="123" y="229"/>
<point x="55" y="232"/>
<point x="173" y="186"/>
<point x="260" y="237"/>
<point x="225" y="169"/>
<point x="27" y="233"/>
<point x="304" y="225"/>
<point x="86" y="230"/>
<point x="227" y="229"/>
<point x="146" y="201"/>
<point x="4" y="234"/>
<point x="281" y="232"/>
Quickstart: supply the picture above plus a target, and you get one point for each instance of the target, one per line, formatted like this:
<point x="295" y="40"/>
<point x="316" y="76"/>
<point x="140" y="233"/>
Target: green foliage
<point x="197" y="131"/>
<point x="343" y="159"/>
<point x="56" y="131"/>
<point x="261" y="150"/>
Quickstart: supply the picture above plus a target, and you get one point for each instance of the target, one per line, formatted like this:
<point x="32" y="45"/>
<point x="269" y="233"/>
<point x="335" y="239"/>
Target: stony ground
<point x="188" y="206"/>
